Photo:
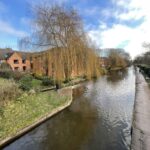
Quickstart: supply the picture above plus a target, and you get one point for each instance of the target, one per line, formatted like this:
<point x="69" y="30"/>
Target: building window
<point x="23" y="61"/>
<point x="16" y="68"/>
<point x="16" y="61"/>
<point x="24" y="68"/>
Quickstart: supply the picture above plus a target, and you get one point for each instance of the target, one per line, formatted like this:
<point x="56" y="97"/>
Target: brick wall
<point x="17" y="63"/>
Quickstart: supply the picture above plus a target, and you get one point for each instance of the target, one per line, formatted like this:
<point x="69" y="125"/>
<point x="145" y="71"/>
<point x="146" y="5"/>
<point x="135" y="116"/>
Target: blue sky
<point x="109" y="23"/>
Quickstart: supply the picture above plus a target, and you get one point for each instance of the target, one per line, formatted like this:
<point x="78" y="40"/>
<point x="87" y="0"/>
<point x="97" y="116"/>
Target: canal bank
<point x="67" y="92"/>
<point x="141" y="117"/>
<point x="99" y="117"/>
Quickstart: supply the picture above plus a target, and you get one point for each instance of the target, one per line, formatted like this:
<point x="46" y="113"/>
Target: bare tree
<point x="118" y="58"/>
<point x="61" y="31"/>
<point x="146" y="45"/>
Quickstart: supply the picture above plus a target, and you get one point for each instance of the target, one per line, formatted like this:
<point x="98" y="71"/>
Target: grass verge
<point x="26" y="110"/>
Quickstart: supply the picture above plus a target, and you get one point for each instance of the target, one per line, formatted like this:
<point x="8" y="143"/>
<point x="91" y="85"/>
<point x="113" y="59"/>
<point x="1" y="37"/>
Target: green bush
<point x="18" y="75"/>
<point x="38" y="77"/>
<point x="67" y="80"/>
<point x="26" y="82"/>
<point x="5" y="66"/>
<point x="46" y="81"/>
<point x="7" y="74"/>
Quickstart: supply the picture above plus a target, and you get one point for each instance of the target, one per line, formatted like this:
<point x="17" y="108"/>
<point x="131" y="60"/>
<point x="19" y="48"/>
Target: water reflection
<point x="115" y="76"/>
<point x="98" y="119"/>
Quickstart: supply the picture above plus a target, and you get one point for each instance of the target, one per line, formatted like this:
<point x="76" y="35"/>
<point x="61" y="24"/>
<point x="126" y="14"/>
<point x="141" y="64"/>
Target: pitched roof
<point x="6" y="53"/>
<point x="24" y="55"/>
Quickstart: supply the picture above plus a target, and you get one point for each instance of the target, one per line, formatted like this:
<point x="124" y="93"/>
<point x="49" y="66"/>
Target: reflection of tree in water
<point x="79" y="91"/>
<point x="116" y="76"/>
<point x="97" y="119"/>
<point x="71" y="129"/>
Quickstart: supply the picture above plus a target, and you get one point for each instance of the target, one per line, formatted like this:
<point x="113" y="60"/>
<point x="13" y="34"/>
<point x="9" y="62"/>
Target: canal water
<point x="99" y="118"/>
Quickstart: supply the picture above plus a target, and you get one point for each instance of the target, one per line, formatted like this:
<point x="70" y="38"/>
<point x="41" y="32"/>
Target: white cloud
<point x="103" y="25"/>
<point x="134" y="9"/>
<point x="6" y="28"/>
<point x="134" y="14"/>
<point x="119" y="33"/>
<point x="26" y="21"/>
<point x="107" y="13"/>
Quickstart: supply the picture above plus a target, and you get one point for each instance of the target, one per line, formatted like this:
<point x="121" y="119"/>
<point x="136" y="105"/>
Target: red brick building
<point x="104" y="62"/>
<point x="19" y="61"/>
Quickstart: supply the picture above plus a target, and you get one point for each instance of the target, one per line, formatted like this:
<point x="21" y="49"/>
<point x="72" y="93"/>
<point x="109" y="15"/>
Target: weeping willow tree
<point x="60" y="32"/>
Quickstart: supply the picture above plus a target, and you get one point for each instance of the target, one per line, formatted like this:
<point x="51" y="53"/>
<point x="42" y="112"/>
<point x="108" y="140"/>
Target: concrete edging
<point x="20" y="133"/>
<point x="140" y="139"/>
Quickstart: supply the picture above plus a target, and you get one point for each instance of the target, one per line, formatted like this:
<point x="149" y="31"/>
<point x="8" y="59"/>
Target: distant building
<point x="19" y="61"/>
<point x="104" y="62"/>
